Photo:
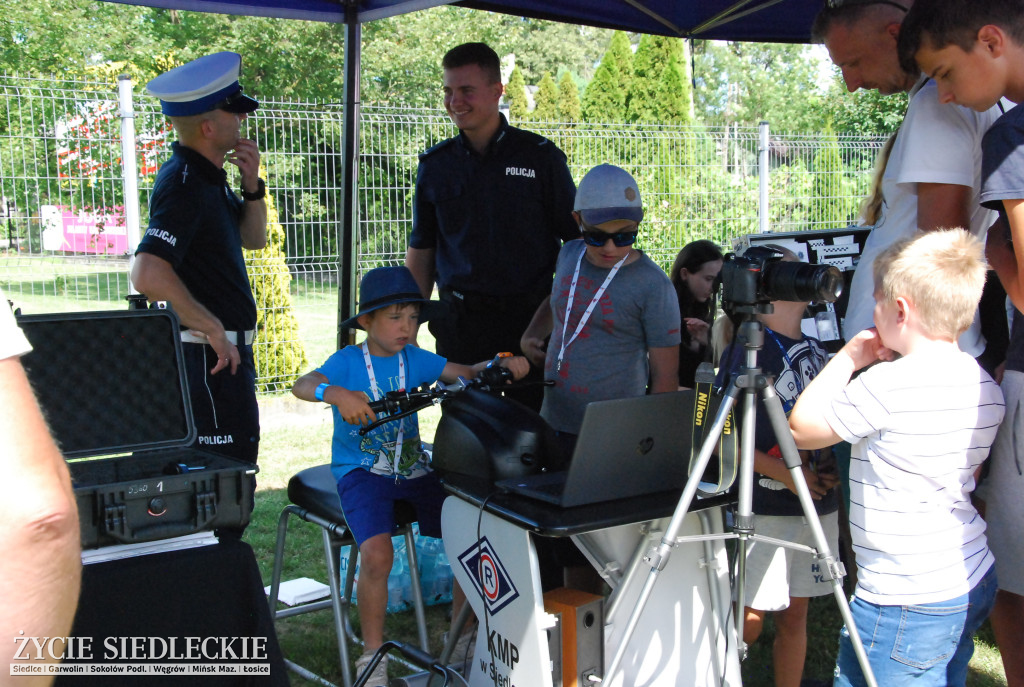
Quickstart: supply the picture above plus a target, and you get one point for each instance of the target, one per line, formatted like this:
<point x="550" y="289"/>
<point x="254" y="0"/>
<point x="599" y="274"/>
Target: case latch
<point x="115" y="519"/>
<point x="206" y="507"/>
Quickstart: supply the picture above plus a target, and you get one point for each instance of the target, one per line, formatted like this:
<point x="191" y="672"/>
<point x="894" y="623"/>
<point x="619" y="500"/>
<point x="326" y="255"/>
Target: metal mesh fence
<point x="63" y="240"/>
<point x="58" y="164"/>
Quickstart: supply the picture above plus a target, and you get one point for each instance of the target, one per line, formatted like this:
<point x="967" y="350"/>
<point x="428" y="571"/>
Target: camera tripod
<point x="751" y="378"/>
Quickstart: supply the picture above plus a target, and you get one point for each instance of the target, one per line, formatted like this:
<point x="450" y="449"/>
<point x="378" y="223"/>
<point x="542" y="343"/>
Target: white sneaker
<point x="379" y="676"/>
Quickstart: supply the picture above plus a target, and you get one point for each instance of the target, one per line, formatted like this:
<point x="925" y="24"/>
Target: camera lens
<point x="798" y="281"/>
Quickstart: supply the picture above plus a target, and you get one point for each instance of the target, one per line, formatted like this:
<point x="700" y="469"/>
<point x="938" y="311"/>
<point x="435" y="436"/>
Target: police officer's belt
<point x="188" y="336"/>
<point x="476" y="299"/>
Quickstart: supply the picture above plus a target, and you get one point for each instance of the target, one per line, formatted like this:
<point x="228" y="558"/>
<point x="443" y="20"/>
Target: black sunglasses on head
<point x="836" y="4"/>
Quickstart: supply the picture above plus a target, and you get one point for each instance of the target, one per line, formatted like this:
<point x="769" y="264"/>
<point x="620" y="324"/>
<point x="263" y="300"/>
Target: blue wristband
<point x="319" y="393"/>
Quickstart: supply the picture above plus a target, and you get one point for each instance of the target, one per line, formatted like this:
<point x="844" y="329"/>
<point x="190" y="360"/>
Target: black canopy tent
<point x="779" y="21"/>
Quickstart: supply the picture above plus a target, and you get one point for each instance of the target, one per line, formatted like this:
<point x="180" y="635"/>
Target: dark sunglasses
<point x="836" y="4"/>
<point x="595" y="237"/>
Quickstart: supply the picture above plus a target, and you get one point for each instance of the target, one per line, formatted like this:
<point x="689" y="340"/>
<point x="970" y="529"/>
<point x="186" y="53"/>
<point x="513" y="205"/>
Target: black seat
<point x="316" y="490"/>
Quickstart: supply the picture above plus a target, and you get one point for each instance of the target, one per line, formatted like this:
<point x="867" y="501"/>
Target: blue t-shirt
<point x="376" y="451"/>
<point x="793" y="363"/>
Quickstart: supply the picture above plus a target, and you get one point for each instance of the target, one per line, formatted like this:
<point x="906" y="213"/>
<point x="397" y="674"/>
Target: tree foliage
<point x="569" y="99"/>
<point x="280" y="356"/>
<point x="828" y="208"/>
<point x="546" y="100"/>
<point x="659" y="91"/>
<point x="604" y="100"/>
<point x="546" y="46"/>
<point x="515" y="94"/>
<point x="401" y="55"/>
<point x="862" y="112"/>
<point x="752" y="82"/>
<point x="621" y="47"/>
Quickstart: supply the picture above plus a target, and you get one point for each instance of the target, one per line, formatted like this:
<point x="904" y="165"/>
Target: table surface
<point x="554" y="521"/>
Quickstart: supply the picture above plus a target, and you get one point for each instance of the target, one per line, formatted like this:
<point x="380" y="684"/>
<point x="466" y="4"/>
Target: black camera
<point x="760" y="276"/>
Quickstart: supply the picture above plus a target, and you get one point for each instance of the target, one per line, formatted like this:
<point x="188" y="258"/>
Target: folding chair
<point x="313" y="494"/>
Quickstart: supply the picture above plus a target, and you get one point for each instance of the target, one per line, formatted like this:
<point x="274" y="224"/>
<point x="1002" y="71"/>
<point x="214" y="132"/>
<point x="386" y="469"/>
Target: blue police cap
<point x="204" y="84"/>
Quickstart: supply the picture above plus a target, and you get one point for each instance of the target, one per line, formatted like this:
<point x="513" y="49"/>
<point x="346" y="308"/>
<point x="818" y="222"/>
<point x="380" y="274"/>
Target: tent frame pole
<point x="348" y="238"/>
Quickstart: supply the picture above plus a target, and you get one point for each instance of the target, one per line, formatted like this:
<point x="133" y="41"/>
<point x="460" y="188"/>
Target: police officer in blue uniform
<point x="492" y="208"/>
<point x="191" y="254"/>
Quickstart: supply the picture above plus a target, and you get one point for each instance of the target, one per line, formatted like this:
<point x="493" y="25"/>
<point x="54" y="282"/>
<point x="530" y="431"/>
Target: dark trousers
<point x="223" y="405"/>
<point x="478" y="327"/>
<point x="224" y="408"/>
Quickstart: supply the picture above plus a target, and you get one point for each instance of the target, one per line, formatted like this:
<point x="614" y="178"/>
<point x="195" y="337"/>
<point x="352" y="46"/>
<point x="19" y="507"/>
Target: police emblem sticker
<point x="489" y="576"/>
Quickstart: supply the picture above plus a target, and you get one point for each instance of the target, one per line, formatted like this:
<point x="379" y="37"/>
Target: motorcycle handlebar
<point x="399" y="404"/>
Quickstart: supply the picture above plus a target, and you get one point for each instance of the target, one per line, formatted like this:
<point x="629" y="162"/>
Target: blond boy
<point x="975" y="52"/>
<point x="921" y="423"/>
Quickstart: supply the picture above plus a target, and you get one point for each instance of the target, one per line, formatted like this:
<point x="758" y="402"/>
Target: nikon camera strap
<point x="720" y="472"/>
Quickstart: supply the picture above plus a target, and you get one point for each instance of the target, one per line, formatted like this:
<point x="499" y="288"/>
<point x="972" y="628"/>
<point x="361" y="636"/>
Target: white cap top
<point x="204" y="84"/>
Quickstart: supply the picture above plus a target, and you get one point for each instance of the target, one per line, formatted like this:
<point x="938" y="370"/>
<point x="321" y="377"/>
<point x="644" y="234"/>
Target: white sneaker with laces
<point x="379" y="676"/>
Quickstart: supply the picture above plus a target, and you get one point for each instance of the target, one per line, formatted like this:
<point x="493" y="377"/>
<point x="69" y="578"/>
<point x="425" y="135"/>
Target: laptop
<point x="626" y="447"/>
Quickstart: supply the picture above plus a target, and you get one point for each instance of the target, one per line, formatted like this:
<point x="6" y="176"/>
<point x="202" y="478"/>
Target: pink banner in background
<point x="100" y="231"/>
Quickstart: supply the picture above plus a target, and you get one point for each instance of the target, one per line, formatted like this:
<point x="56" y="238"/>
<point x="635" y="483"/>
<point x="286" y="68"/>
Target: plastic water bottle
<point x="394" y="593"/>
<point x="343" y="559"/>
<point x="427" y="556"/>
<point x="442" y="576"/>
<point x="399" y="580"/>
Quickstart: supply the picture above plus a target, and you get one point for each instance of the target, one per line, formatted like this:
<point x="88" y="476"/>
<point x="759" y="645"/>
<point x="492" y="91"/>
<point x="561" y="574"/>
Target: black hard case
<point x="113" y="383"/>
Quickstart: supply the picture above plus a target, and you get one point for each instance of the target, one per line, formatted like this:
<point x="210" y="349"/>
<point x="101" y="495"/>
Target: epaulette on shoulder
<point x="433" y="149"/>
<point x="534" y="138"/>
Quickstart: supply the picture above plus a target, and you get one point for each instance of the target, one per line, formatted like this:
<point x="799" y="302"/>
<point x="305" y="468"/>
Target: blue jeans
<point x="923" y="645"/>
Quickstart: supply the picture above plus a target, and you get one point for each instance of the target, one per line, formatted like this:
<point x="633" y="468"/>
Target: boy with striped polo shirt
<point x="921" y="423"/>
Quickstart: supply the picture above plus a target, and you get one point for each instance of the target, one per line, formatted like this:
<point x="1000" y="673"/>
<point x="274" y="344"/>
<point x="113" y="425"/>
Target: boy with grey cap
<point x="612" y="313"/>
<point x="191" y="254"/>
<point x="613" y="319"/>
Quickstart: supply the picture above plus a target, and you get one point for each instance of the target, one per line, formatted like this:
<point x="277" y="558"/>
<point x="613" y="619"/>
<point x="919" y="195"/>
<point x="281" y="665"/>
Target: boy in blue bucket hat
<point x="387" y="464"/>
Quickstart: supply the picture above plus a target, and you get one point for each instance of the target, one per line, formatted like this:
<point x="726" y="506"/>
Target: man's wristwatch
<point x="258" y="194"/>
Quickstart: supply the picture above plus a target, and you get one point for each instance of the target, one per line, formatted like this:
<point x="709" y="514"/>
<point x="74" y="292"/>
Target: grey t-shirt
<point x="608" y="359"/>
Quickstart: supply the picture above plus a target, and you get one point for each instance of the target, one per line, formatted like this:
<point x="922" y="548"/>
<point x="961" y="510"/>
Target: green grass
<point x="84" y="287"/>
